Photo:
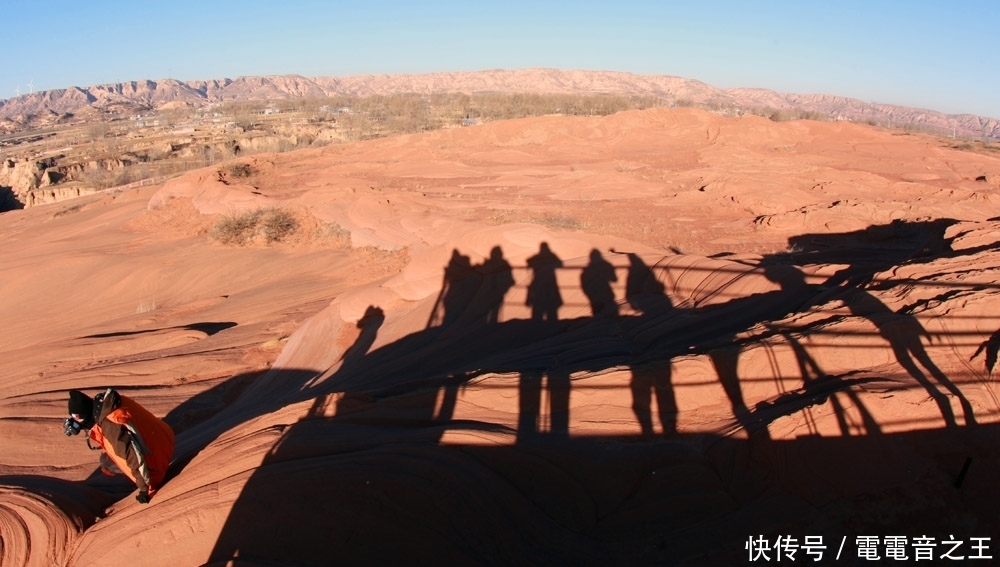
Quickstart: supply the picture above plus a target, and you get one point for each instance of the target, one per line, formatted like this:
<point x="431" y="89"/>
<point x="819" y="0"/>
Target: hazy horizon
<point x="923" y="55"/>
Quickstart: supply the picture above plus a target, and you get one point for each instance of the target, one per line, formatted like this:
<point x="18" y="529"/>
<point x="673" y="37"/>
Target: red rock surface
<point x="801" y="342"/>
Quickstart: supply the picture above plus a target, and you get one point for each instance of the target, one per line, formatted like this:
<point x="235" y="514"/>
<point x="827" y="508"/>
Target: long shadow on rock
<point x="373" y="483"/>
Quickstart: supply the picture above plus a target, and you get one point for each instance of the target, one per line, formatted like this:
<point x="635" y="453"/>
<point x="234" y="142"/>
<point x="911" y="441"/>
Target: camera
<point x="71" y="427"/>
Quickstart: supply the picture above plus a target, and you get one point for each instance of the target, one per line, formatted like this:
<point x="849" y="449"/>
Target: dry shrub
<point x="274" y="225"/>
<point x="239" y="170"/>
<point x="559" y="222"/>
<point x="333" y="233"/>
<point x="277" y="225"/>
<point x="237" y="229"/>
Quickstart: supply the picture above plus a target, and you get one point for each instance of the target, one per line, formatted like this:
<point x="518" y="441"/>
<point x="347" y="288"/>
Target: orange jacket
<point x="135" y="440"/>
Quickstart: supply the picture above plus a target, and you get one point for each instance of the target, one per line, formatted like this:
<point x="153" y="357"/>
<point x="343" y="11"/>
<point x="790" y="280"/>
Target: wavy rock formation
<point x="637" y="339"/>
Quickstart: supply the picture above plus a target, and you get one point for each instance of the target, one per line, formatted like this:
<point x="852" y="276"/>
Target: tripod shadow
<point x="875" y="249"/>
<point x="815" y="380"/>
<point x="905" y="336"/>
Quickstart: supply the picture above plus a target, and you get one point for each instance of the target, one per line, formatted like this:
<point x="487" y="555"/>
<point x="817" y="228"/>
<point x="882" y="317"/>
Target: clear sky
<point x="943" y="55"/>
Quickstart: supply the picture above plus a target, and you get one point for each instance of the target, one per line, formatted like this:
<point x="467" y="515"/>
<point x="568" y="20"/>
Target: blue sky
<point x="941" y="55"/>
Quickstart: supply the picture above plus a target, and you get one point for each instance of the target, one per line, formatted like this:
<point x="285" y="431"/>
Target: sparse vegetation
<point x="979" y="147"/>
<point x="128" y="144"/>
<point x="146" y="305"/>
<point x="277" y="225"/>
<point x="560" y="222"/>
<point x="273" y="225"/>
<point x="555" y="221"/>
<point x="69" y="210"/>
<point x="101" y="178"/>
<point x="237" y="229"/>
<point x="784" y="115"/>
<point x="333" y="233"/>
<point x="505" y="216"/>
<point x="239" y="170"/>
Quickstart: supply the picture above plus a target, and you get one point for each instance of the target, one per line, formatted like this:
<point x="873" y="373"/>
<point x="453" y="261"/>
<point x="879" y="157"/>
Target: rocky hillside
<point x="32" y="110"/>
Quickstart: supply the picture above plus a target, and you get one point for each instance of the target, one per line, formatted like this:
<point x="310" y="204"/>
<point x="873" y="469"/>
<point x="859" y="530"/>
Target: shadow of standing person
<point x="497" y="280"/>
<point x="461" y="282"/>
<point x="649" y="378"/>
<point x="369" y="324"/>
<point x="544" y="299"/>
<point x="647" y="295"/>
<point x="482" y="306"/>
<point x="595" y="281"/>
<point x="266" y="501"/>
<point x="529" y="396"/>
<point x="543" y="291"/>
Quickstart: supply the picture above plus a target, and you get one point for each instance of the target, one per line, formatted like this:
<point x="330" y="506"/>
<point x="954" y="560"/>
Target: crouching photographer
<point x="133" y="441"/>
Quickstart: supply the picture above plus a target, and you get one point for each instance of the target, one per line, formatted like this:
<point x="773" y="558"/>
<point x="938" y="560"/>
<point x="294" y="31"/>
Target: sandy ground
<point x="637" y="339"/>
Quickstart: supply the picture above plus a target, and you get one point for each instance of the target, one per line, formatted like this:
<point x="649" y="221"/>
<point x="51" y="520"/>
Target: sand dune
<point x="637" y="339"/>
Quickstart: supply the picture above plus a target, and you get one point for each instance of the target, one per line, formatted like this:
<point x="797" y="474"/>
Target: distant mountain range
<point x="32" y="110"/>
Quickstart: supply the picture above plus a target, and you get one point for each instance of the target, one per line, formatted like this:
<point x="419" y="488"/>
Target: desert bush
<point x="333" y="231"/>
<point x="780" y="116"/>
<point x="508" y="216"/>
<point x="242" y="229"/>
<point x="238" y="170"/>
<point x="278" y="225"/>
<point x="237" y="229"/>
<point x="783" y="115"/>
<point x="560" y="222"/>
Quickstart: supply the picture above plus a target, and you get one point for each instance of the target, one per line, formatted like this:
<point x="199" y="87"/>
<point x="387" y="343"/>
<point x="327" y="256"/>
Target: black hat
<point x="81" y="404"/>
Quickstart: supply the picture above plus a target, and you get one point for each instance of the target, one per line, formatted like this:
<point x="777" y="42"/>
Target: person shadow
<point x="482" y="308"/>
<point x="794" y="295"/>
<point x="497" y="278"/>
<point x="323" y="464"/>
<point x="544" y="298"/>
<point x="645" y="294"/>
<point x="596" y="279"/>
<point x="472" y="295"/>
<point x="250" y="525"/>
<point x="460" y="285"/>
<point x="368" y="325"/>
<point x="543" y="291"/>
